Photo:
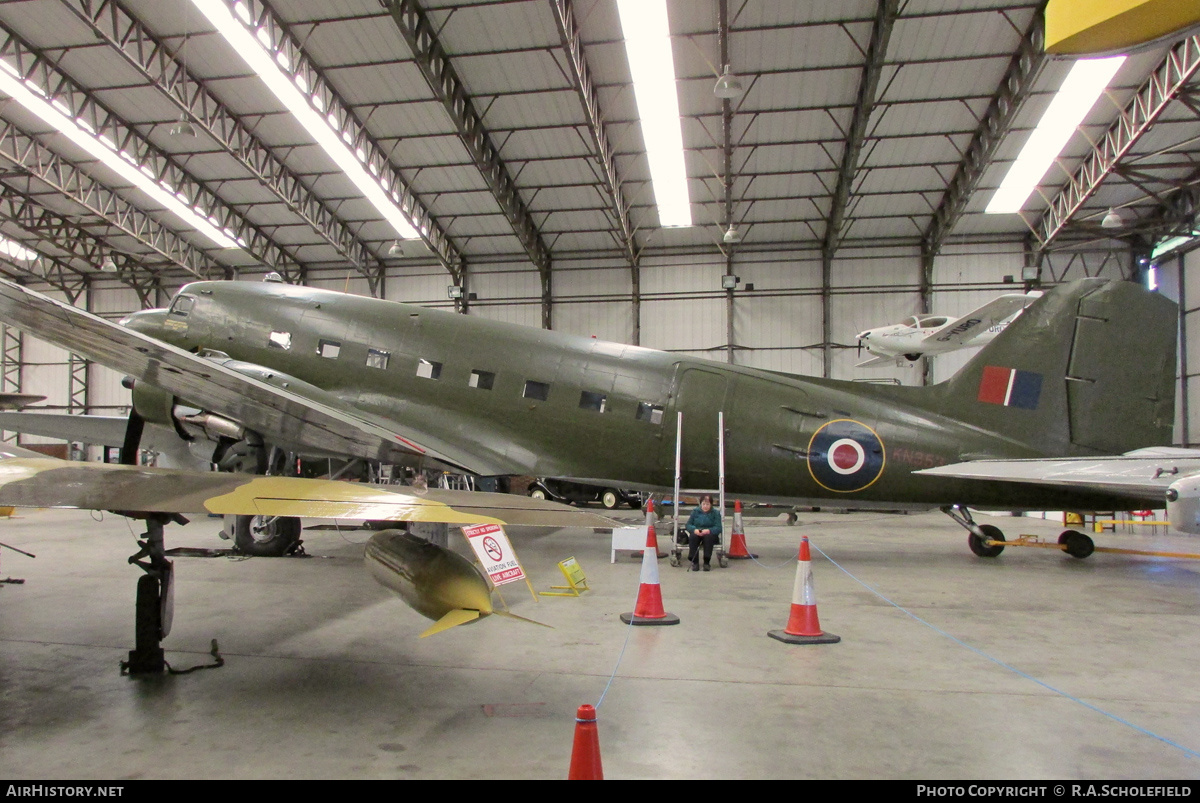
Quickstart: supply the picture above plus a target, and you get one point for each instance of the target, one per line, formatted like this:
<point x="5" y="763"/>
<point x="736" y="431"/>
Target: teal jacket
<point x="699" y="520"/>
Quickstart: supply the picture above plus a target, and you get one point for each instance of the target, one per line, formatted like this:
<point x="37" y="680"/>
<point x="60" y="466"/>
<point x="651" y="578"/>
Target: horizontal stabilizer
<point x="876" y="361"/>
<point x="456" y="617"/>
<point x="1141" y="474"/>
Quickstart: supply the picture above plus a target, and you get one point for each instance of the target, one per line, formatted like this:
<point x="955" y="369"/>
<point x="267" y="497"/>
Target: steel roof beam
<point x="23" y="151"/>
<point x="1165" y="83"/>
<point x="434" y="63"/>
<point x="46" y="231"/>
<point x="150" y="57"/>
<point x="333" y="107"/>
<point x="881" y="31"/>
<point x="1014" y="89"/>
<point x="80" y="104"/>
<point x="581" y="77"/>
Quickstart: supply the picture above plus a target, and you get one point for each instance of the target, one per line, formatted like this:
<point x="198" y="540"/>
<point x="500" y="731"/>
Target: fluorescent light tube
<point x="648" y="47"/>
<point x="1087" y="79"/>
<point x="16" y="251"/>
<point x="34" y="99"/>
<point x="252" y="48"/>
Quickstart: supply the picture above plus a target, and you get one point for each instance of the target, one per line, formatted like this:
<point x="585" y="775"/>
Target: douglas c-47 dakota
<point x="264" y="370"/>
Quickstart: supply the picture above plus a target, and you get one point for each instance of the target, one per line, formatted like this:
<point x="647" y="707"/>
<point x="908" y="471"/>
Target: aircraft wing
<point x="968" y="327"/>
<point x="1136" y="474"/>
<point x="296" y="416"/>
<point x="48" y="482"/>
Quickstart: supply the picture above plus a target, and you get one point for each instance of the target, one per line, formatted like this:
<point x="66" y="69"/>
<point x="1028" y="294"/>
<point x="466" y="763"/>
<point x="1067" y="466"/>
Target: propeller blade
<point x="133" y="438"/>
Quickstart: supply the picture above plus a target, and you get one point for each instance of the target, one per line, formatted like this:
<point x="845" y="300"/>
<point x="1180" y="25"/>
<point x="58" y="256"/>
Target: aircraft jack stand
<point x="155" y="600"/>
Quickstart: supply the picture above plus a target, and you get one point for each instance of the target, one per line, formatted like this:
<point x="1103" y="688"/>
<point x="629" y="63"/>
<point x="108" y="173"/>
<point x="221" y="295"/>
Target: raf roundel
<point x="845" y="456"/>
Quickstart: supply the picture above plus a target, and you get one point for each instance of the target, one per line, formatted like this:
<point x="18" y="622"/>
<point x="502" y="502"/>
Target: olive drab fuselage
<point x="544" y="403"/>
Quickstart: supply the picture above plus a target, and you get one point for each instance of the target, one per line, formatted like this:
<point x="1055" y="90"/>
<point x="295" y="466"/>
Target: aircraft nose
<point x="147" y="321"/>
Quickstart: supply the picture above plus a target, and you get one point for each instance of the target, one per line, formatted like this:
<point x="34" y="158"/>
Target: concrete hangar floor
<point x="1031" y="665"/>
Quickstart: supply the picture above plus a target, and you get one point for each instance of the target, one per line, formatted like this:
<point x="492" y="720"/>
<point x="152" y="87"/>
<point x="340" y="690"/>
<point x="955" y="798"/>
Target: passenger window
<point x="592" y="401"/>
<point x="482" y="380"/>
<point x="538" y="391"/>
<point x="429" y="369"/>
<point x="377" y="358"/>
<point x="650" y="412"/>
<point x="182" y="306"/>
<point x="329" y="349"/>
<point x="280" y="340"/>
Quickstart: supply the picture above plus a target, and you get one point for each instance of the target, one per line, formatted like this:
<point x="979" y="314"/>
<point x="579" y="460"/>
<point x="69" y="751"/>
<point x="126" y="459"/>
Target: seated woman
<point x="703" y="527"/>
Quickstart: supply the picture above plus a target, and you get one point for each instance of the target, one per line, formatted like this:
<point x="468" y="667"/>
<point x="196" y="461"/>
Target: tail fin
<point x="1088" y="368"/>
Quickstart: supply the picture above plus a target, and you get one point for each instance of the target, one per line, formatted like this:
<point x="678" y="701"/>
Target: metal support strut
<point x="985" y="540"/>
<point x="155" y="599"/>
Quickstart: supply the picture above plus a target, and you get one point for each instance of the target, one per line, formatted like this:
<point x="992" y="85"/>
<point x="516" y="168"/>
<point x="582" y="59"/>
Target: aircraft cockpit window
<point x="930" y="321"/>
<point x="650" y="412"/>
<point x="429" y="369"/>
<point x="592" y="401"/>
<point x="280" y="340"/>
<point x="182" y="305"/>
<point x="377" y="358"/>
<point x="482" y="380"/>
<point x="329" y="349"/>
<point x="538" y="391"/>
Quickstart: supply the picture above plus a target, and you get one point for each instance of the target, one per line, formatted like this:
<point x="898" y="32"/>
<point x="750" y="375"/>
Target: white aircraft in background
<point x="926" y="335"/>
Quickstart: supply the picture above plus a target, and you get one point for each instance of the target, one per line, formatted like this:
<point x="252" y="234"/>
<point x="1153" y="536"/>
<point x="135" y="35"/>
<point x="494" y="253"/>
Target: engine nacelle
<point x="157" y="406"/>
<point x="153" y="404"/>
<point x="1183" y="505"/>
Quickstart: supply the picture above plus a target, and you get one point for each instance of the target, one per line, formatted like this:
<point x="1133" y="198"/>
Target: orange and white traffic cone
<point x="651" y="535"/>
<point x="802" y="626"/>
<point x="585" y="752"/>
<point x="737" y="541"/>
<point x="649" y="607"/>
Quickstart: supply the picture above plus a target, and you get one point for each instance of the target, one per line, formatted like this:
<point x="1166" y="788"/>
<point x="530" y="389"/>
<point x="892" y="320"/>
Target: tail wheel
<point x="1078" y="545"/>
<point x="610" y="499"/>
<point x="979" y="545"/>
<point x="264" y="536"/>
<point x="537" y="493"/>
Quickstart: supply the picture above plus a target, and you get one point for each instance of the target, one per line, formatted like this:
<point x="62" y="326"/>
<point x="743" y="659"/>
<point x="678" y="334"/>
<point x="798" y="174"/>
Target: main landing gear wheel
<point x="264" y="536"/>
<point x="979" y="545"/>
<point x="537" y="493"/>
<point x="610" y="499"/>
<point x="1078" y="545"/>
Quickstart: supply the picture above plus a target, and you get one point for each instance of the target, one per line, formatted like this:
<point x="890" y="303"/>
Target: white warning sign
<point x="495" y="552"/>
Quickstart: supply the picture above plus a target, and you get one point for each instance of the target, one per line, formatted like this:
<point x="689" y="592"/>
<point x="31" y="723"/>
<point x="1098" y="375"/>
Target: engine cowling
<point x="158" y="406"/>
<point x="1183" y="505"/>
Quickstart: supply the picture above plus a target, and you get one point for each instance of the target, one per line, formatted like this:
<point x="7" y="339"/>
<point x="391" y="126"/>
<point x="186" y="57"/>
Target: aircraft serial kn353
<point x="1086" y="370"/>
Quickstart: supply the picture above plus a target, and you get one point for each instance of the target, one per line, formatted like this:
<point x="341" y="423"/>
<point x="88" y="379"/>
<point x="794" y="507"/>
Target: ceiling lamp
<point x="183" y="128"/>
<point x="1112" y="220"/>
<point x="732" y="235"/>
<point x="252" y="42"/>
<point x="397" y="250"/>
<point x="652" y="67"/>
<point x="109" y="265"/>
<point x="1075" y="98"/>
<point x="36" y="100"/>
<point x="728" y="86"/>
